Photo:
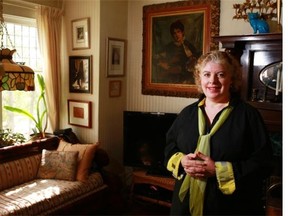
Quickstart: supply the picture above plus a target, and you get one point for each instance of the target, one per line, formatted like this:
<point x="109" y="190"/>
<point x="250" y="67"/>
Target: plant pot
<point x="39" y="136"/>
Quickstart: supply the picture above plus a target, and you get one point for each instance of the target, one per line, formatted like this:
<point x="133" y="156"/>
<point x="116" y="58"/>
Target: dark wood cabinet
<point x="255" y="53"/>
<point x="153" y="189"/>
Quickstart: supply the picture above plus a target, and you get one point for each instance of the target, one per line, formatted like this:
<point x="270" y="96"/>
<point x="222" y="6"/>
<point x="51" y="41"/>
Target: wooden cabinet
<point x="153" y="189"/>
<point x="256" y="52"/>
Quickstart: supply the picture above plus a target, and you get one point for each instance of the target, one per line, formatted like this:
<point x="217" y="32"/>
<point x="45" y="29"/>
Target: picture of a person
<point x="80" y="33"/>
<point x="175" y="62"/>
<point x="79" y="75"/>
<point x="116" y="56"/>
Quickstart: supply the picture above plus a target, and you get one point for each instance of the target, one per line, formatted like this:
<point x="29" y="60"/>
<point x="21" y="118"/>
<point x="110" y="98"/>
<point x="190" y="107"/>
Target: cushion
<point x="58" y="165"/>
<point x="85" y="157"/>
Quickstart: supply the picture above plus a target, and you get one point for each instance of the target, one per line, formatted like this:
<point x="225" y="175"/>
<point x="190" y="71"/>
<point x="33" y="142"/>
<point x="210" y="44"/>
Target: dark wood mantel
<point x="232" y="41"/>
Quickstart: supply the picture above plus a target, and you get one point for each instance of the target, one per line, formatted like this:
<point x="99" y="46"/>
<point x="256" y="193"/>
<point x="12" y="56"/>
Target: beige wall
<point x="114" y="25"/>
<point x="75" y="9"/>
<point x="107" y="19"/>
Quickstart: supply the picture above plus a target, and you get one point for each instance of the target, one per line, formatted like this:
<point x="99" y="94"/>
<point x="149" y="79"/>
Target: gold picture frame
<point x="199" y="22"/>
<point x="81" y="33"/>
<point x="115" y="88"/>
<point x="116" y="57"/>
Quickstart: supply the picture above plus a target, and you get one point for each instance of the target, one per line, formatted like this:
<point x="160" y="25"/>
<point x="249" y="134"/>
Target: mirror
<point x="271" y="76"/>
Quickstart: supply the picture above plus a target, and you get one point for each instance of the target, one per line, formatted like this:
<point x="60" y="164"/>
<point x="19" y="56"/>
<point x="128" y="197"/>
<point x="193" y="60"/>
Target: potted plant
<point x="8" y="138"/>
<point x="41" y="119"/>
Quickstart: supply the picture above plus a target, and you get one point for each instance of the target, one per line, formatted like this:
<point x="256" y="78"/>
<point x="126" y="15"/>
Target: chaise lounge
<point x="52" y="176"/>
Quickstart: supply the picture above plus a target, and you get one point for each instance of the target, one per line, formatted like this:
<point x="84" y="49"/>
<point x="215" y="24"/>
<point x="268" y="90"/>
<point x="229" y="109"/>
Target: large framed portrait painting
<point x="175" y="35"/>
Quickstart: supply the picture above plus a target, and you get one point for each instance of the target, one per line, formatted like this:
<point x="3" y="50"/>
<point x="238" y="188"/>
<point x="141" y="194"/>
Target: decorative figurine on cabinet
<point x="259" y="25"/>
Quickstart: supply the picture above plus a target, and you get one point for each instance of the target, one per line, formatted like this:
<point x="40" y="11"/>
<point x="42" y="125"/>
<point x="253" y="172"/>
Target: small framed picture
<point x="79" y="113"/>
<point x="115" y="88"/>
<point x="116" y="57"/>
<point x="81" y="34"/>
<point x="80" y="74"/>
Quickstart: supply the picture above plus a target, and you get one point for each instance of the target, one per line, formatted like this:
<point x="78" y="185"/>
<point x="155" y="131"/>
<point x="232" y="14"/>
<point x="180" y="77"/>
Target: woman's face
<point x="178" y="35"/>
<point x="216" y="82"/>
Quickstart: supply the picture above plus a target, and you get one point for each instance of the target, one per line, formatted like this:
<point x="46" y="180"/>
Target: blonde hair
<point x="226" y="60"/>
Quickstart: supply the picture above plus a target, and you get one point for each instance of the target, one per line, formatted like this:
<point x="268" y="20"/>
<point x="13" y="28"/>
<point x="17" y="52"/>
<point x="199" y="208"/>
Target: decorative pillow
<point x="58" y="165"/>
<point x="85" y="157"/>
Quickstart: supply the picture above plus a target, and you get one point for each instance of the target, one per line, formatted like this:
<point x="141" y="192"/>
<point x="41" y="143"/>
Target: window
<point x="24" y="37"/>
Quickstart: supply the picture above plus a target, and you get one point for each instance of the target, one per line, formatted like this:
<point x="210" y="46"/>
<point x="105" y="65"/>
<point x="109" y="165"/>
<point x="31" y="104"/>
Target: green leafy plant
<point x="41" y="118"/>
<point x="8" y="138"/>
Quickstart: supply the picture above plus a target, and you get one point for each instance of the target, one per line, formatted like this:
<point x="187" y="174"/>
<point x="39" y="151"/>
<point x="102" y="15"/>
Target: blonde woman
<point x="218" y="148"/>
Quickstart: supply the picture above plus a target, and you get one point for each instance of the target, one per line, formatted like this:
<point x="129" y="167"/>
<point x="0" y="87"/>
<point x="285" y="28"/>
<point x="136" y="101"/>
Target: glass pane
<point x="18" y="30"/>
<point x="24" y="39"/>
<point x="25" y="31"/>
<point x="33" y="32"/>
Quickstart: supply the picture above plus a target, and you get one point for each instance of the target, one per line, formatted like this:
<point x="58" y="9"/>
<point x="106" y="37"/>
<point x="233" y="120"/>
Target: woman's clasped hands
<point x="198" y="165"/>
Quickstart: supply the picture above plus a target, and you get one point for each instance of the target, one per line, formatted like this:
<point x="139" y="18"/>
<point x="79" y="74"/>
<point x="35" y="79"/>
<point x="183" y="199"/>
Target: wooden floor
<point x="120" y="206"/>
<point x="145" y="208"/>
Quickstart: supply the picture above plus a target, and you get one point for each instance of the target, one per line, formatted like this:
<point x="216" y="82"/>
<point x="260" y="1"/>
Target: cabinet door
<point x="261" y="57"/>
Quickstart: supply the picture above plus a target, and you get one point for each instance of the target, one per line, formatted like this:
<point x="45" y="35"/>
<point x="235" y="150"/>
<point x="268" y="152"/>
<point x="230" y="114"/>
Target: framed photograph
<point x="79" y="113"/>
<point x="81" y="34"/>
<point x="116" y="57"/>
<point x="80" y="74"/>
<point x="175" y="35"/>
<point x="115" y="88"/>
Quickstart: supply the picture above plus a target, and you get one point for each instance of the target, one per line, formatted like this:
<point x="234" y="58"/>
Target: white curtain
<point x="49" y="21"/>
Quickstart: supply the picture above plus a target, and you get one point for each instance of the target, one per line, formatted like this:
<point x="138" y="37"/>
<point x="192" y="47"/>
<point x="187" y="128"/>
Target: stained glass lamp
<point x="13" y="76"/>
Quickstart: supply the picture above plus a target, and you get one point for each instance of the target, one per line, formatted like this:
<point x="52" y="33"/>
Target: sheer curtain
<point x="49" y="33"/>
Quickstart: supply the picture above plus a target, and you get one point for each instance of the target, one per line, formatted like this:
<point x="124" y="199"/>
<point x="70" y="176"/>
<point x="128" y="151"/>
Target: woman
<point x="218" y="148"/>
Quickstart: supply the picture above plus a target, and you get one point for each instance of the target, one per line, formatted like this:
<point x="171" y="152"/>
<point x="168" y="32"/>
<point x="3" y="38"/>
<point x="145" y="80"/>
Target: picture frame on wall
<point x="81" y="33"/>
<point x="79" y="113"/>
<point x="115" y="57"/>
<point x="80" y="74"/>
<point x="115" y="88"/>
<point x="175" y="35"/>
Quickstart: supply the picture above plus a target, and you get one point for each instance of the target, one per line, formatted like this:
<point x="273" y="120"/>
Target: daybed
<point x="52" y="177"/>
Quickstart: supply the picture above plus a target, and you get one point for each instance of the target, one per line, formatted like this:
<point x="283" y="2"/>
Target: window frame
<point x="29" y="22"/>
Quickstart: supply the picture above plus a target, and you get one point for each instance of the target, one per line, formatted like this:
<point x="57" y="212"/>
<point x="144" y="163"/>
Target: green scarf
<point x="197" y="186"/>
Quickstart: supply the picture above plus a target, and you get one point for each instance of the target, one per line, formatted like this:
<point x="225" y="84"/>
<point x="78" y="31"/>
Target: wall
<point x="75" y="9"/>
<point x="108" y="18"/>
<point x="114" y="16"/>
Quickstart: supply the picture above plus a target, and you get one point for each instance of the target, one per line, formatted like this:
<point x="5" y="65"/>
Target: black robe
<point x="242" y="140"/>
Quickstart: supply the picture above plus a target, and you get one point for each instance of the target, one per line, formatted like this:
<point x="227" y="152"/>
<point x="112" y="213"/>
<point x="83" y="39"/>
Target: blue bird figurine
<point x="258" y="25"/>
